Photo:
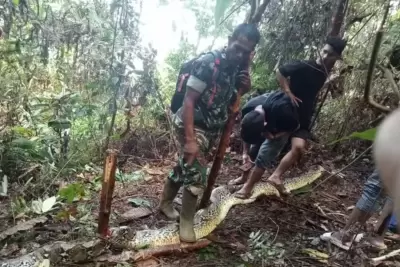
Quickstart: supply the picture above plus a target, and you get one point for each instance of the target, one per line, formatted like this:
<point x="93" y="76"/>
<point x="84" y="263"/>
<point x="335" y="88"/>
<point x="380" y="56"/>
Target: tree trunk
<point x="337" y="22"/>
<point x="338" y="18"/>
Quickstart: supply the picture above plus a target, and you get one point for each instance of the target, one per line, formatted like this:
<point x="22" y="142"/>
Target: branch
<point x="342" y="169"/>
<point x="337" y="19"/>
<point x="389" y="76"/>
<point x="357" y="19"/>
<point x="107" y="191"/>
<point x="371" y="67"/>
<point x="259" y="12"/>
<point x="385" y="257"/>
<point x="170" y="249"/>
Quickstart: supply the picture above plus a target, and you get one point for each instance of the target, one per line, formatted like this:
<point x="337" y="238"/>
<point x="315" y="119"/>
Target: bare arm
<point x="189" y="103"/>
<point x="246" y="148"/>
<point x="283" y="82"/>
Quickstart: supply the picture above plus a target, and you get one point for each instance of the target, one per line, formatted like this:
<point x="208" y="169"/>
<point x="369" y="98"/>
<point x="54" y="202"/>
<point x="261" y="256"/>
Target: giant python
<point x="205" y="221"/>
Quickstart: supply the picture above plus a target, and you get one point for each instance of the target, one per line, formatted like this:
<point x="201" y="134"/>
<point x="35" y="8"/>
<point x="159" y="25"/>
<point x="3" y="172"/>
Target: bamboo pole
<point x="107" y="190"/>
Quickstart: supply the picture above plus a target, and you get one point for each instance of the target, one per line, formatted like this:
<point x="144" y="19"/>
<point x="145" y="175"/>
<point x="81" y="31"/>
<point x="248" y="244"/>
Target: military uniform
<point x="210" y="116"/>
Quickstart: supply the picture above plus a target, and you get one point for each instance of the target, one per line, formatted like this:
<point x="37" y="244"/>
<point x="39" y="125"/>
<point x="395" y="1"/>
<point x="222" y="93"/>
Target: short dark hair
<point x="252" y="126"/>
<point x="337" y="43"/>
<point x="249" y="30"/>
<point x="280" y="114"/>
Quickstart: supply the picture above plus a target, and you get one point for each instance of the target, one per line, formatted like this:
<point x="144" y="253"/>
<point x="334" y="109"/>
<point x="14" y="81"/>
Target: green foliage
<point x="368" y="135"/>
<point x="220" y="8"/>
<point x="74" y="191"/>
<point x="263" y="249"/>
<point x="207" y="253"/>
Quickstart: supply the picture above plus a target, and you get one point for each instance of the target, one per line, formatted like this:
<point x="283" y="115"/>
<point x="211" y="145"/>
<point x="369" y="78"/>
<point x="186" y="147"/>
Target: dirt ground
<point x="296" y="221"/>
<point x="293" y="223"/>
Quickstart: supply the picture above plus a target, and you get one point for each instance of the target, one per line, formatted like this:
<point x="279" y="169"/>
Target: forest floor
<point x="293" y="223"/>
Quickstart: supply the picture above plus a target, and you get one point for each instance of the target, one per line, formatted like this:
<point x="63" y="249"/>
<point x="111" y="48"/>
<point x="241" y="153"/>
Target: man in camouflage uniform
<point x="199" y="122"/>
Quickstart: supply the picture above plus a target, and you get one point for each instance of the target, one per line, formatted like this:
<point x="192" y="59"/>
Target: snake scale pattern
<point x="206" y="220"/>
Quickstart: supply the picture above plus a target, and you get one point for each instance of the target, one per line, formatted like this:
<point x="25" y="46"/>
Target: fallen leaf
<point x="139" y="202"/>
<point x="321" y="257"/>
<point x="22" y="227"/>
<point x="8" y="249"/>
<point x="48" y="204"/>
<point x="45" y="263"/>
<point x="125" y="256"/>
<point x="136" y="213"/>
<point x="154" y="171"/>
<point x="147" y="263"/>
<point x="37" y="206"/>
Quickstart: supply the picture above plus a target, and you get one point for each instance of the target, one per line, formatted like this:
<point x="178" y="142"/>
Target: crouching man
<point x="268" y="120"/>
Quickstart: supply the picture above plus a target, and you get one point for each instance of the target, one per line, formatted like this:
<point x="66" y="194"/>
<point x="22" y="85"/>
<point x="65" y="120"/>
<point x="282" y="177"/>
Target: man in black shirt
<point x="267" y="121"/>
<point x="301" y="81"/>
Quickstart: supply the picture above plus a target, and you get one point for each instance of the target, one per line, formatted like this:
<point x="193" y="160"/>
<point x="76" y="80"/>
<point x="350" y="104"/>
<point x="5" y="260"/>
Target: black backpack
<point x="184" y="73"/>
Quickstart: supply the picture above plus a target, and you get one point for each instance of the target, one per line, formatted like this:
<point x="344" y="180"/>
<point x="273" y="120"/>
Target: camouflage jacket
<point x="211" y="110"/>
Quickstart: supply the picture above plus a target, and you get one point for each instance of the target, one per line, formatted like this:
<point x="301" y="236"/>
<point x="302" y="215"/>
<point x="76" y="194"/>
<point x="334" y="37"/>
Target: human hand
<point x="243" y="80"/>
<point x="190" y="151"/>
<point x="246" y="158"/>
<point x="295" y="100"/>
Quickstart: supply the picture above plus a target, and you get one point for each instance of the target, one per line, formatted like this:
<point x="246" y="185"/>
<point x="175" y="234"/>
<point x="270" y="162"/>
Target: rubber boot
<point x="186" y="231"/>
<point x="169" y="193"/>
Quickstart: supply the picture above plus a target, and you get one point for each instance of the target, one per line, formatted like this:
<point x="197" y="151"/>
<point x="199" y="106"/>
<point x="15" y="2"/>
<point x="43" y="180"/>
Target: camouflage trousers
<point x="193" y="177"/>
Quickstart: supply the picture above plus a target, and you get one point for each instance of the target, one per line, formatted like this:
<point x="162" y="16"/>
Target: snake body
<point x="206" y="220"/>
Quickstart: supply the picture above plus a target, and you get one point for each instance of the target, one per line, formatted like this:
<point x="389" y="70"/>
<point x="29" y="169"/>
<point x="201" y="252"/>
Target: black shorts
<point x="302" y="133"/>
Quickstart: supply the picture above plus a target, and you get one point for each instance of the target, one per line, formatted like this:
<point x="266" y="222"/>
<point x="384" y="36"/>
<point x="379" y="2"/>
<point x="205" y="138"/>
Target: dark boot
<point x="186" y="231"/>
<point x="169" y="193"/>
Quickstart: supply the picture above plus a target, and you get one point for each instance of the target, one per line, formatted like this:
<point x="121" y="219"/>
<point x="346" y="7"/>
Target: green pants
<point x="193" y="177"/>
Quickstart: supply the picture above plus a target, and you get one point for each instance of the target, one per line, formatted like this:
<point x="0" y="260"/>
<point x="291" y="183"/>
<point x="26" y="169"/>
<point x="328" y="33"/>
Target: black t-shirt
<point x="306" y="79"/>
<point x="253" y="103"/>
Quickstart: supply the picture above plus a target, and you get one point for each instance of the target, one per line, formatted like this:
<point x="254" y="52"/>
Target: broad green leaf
<point x="72" y="192"/>
<point x="24" y="143"/>
<point x="139" y="202"/>
<point x="22" y="131"/>
<point x="220" y="7"/>
<point x="59" y="124"/>
<point x="15" y="2"/>
<point x="368" y="135"/>
<point x="48" y="204"/>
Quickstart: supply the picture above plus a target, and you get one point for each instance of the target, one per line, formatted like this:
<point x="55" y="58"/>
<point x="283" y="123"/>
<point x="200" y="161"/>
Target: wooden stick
<point x="170" y="249"/>
<point x="387" y="256"/>
<point x="107" y="190"/>
<point x="219" y="157"/>
<point x="225" y="138"/>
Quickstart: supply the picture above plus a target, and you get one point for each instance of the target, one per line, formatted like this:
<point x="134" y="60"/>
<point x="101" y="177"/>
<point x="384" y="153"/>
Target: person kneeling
<point x="268" y="120"/>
